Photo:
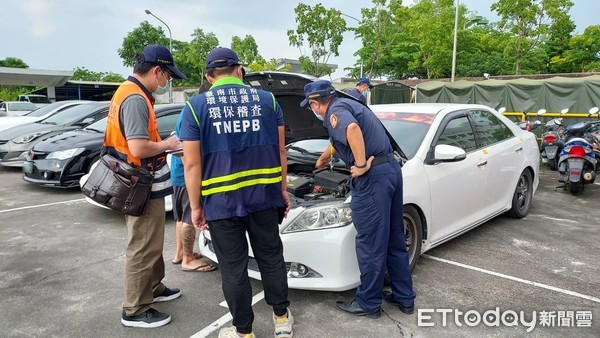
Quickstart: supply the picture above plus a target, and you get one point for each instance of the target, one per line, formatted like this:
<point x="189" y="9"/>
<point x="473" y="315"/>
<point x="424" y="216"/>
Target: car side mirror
<point x="541" y="112"/>
<point x="501" y="110"/>
<point x="447" y="153"/>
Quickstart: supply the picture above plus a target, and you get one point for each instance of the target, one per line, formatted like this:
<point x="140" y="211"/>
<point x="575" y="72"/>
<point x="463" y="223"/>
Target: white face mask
<point x="162" y="90"/>
<point x="318" y="116"/>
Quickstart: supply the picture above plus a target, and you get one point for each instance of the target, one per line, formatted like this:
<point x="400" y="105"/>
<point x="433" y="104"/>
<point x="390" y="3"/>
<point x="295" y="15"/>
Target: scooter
<point x="530" y="125"/>
<point x="552" y="140"/>
<point x="577" y="161"/>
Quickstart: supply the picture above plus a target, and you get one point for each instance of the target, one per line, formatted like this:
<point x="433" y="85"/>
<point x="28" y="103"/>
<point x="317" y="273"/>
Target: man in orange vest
<point x="132" y="135"/>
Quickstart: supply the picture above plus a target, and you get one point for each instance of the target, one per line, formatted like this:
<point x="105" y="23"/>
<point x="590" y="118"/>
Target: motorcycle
<point x="552" y="140"/>
<point x="577" y="161"/>
<point x="530" y="125"/>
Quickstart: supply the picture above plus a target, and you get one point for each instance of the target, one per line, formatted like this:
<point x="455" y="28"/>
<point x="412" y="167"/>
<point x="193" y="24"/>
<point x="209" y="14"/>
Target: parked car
<point x="38" y="100"/>
<point x="16" y="108"/>
<point x="462" y="165"/>
<point x="38" y="114"/>
<point x="61" y="160"/>
<point x="16" y="142"/>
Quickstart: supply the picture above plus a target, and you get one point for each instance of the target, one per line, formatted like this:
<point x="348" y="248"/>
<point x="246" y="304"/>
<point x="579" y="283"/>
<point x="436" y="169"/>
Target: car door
<point x="503" y="154"/>
<point x="457" y="188"/>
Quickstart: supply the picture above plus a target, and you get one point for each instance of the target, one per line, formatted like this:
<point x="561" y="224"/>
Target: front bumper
<point x="328" y="256"/>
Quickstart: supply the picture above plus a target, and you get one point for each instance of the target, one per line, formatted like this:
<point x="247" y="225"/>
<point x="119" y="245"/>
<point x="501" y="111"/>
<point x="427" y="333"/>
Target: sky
<point x="66" y="34"/>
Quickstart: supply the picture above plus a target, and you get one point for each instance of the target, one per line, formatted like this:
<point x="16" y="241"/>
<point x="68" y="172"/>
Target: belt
<point x="382" y="159"/>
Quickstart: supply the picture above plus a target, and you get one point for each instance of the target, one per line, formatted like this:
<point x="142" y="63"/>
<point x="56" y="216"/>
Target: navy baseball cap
<point x="160" y="55"/>
<point x="221" y="57"/>
<point x="365" y="80"/>
<point x="319" y="88"/>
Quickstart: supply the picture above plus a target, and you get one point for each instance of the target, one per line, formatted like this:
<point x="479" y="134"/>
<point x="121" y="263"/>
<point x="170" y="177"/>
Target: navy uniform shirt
<point x="341" y="113"/>
<point x="358" y="95"/>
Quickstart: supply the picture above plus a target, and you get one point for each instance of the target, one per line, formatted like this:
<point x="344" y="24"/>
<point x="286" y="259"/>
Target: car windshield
<point x="38" y="99"/>
<point x="21" y="106"/>
<point x="407" y="129"/>
<point x="99" y="125"/>
<point x="70" y="115"/>
<point x="45" y="109"/>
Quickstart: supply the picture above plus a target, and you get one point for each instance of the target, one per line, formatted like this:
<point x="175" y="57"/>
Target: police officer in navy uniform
<point x="235" y="173"/>
<point x="361" y="87"/>
<point x="361" y="142"/>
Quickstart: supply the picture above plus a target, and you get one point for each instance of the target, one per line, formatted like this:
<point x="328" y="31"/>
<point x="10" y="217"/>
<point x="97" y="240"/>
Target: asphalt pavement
<point x="61" y="275"/>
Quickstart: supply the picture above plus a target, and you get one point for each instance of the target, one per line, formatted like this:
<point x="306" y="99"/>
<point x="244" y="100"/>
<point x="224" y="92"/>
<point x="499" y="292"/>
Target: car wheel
<point x="521" y="201"/>
<point x="553" y="163"/>
<point x="413" y="233"/>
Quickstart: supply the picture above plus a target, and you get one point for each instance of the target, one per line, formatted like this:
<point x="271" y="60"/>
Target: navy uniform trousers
<point x="380" y="242"/>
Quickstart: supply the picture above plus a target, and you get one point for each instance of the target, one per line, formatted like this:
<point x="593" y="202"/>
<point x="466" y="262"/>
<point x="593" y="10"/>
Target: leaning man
<point x="132" y="136"/>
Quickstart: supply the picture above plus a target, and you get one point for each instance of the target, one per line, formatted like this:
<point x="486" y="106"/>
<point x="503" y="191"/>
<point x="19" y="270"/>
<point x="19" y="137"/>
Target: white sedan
<point x="462" y="165"/>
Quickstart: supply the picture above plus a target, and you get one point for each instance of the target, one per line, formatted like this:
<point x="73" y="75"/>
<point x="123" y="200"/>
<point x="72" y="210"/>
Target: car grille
<point x="2" y="154"/>
<point x="37" y="155"/>
<point x="3" y="142"/>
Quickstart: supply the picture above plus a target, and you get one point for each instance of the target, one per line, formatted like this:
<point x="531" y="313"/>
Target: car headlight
<point x="321" y="217"/>
<point x="29" y="137"/>
<point x="64" y="154"/>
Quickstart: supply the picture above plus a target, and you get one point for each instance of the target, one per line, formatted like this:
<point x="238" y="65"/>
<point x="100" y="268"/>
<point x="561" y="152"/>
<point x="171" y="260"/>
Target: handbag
<point x="119" y="186"/>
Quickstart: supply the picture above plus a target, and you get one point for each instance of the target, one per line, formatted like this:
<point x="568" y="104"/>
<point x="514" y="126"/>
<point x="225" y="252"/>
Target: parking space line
<point x="225" y="319"/>
<point x="42" y="205"/>
<point x="516" y="279"/>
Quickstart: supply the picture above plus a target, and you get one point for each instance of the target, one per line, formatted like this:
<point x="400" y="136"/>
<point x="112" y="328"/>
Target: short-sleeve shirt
<point x="358" y="95"/>
<point x="340" y="114"/>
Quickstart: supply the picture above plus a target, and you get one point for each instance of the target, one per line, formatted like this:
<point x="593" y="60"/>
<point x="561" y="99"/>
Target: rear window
<point x="39" y="99"/>
<point x="21" y="106"/>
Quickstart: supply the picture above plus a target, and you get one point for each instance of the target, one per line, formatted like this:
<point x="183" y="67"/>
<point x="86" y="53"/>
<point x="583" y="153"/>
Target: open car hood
<point x="300" y="122"/>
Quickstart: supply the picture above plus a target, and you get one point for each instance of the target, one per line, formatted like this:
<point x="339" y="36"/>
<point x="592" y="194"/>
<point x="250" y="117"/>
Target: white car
<point x="38" y="114"/>
<point x="462" y="165"/>
<point x="15" y="108"/>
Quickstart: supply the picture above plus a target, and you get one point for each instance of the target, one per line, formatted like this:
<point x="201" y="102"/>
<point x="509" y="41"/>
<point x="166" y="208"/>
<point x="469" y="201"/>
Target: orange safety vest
<point x="114" y="134"/>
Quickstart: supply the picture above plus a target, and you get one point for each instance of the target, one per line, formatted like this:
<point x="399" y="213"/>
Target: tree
<point x="83" y="74"/>
<point x="584" y="52"/>
<point x="246" y="49"/>
<point x="318" y="36"/>
<point x="529" y="21"/>
<point x="262" y="65"/>
<point x="136" y="40"/>
<point x="191" y="57"/>
<point x="12" y="62"/>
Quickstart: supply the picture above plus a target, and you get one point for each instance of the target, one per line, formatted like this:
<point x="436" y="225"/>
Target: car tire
<point x="414" y="237"/>
<point x="523" y="196"/>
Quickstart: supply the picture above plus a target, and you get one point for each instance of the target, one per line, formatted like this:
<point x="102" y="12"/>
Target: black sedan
<point x="61" y="160"/>
<point x="16" y="142"/>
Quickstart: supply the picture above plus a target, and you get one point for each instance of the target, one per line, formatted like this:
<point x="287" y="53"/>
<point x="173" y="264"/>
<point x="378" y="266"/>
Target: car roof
<point x="422" y="108"/>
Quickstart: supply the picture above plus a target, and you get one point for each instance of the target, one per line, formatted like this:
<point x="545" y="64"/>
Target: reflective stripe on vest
<point x="240" y="180"/>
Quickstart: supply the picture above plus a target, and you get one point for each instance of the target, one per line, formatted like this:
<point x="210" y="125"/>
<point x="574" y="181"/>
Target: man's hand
<point x="286" y="201"/>
<point x="356" y="172"/>
<point x="322" y="162"/>
<point x="199" y="220"/>
<point x="172" y="142"/>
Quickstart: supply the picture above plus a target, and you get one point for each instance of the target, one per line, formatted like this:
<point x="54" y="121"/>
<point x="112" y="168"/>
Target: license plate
<point x="551" y="152"/>
<point x="27" y="167"/>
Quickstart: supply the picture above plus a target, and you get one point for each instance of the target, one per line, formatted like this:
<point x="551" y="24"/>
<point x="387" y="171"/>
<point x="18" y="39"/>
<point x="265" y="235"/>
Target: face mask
<point x="161" y="90"/>
<point x="318" y="116"/>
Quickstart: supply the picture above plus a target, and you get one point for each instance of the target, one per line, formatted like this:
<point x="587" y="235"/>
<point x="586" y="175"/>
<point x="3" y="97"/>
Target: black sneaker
<point x="148" y="319"/>
<point x="167" y="295"/>
<point x="387" y="295"/>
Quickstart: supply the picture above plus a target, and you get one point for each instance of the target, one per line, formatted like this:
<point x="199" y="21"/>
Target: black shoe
<point x="387" y="295"/>
<point x="167" y="295"/>
<point x="352" y="308"/>
<point x="148" y="319"/>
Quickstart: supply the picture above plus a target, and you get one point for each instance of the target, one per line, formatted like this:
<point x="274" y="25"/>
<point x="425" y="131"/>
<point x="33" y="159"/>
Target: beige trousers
<point x="144" y="263"/>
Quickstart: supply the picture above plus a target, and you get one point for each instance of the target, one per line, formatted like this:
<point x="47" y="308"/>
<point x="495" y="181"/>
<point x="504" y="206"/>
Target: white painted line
<point x="516" y="279"/>
<point x="42" y="205"/>
<point x="214" y="326"/>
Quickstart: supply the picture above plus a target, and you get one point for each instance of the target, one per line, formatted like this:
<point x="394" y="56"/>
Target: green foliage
<point x="262" y="65"/>
<point x="530" y="21"/>
<point x="246" y="49"/>
<point x="584" y="51"/>
<point x="140" y="37"/>
<point x="83" y="74"/>
<point x="318" y="36"/>
<point x="12" y="62"/>
<point x="190" y="57"/>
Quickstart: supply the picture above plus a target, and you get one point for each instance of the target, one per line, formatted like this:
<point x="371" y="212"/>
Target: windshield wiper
<point x="52" y="123"/>
<point x="302" y="151"/>
<point x="94" y="130"/>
